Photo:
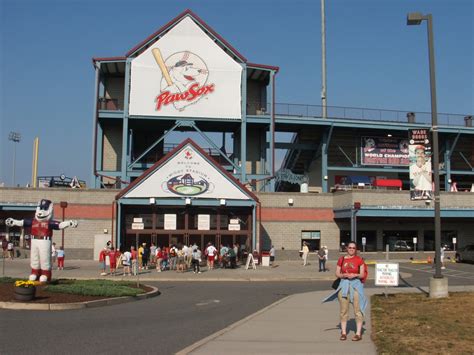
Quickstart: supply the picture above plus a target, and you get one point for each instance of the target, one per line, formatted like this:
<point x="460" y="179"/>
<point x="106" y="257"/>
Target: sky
<point x="374" y="60"/>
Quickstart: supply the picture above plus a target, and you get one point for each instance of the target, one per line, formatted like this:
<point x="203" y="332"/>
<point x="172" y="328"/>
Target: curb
<point x="209" y="338"/>
<point x="78" y="305"/>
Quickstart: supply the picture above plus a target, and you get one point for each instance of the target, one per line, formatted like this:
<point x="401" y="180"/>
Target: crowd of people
<point x="179" y="258"/>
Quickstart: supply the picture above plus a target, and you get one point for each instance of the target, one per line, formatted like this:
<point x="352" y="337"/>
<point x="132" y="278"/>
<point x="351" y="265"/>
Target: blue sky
<point x="373" y="60"/>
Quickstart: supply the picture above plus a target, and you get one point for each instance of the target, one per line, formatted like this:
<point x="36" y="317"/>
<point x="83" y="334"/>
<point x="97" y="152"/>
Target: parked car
<point x="402" y="245"/>
<point x="465" y="254"/>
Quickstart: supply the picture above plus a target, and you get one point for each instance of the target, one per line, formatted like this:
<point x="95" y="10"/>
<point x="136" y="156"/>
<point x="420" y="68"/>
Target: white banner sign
<point x="138" y="226"/>
<point x="204" y="222"/>
<point x="386" y="274"/>
<point x="170" y="222"/>
<point x="185" y="74"/>
<point x="234" y="227"/>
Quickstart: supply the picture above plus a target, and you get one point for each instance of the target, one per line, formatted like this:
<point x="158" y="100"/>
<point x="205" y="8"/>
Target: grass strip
<point x="417" y="324"/>
<point x="103" y="288"/>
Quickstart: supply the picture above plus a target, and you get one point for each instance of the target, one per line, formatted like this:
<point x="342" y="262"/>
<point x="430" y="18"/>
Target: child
<point x="61" y="258"/>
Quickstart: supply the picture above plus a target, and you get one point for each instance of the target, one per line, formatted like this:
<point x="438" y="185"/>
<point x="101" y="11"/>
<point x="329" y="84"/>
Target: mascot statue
<point x="41" y="234"/>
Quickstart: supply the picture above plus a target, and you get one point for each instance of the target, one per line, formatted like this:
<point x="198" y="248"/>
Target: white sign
<point x="234" y="221"/>
<point x="415" y="240"/>
<point x="138" y="226"/>
<point x="204" y="222"/>
<point x="364" y="240"/>
<point x="185" y="74"/>
<point x="386" y="274"/>
<point x="454" y="240"/>
<point x="137" y="220"/>
<point x="187" y="174"/>
<point x="170" y="222"/>
<point x="234" y="227"/>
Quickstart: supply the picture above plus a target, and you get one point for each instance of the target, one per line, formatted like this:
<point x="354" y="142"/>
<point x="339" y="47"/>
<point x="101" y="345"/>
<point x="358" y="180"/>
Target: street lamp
<point x="438" y="284"/>
<point x="15" y="137"/>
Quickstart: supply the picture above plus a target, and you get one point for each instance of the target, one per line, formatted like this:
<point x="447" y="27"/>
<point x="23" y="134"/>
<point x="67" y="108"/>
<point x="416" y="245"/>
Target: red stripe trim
<point x="77" y="211"/>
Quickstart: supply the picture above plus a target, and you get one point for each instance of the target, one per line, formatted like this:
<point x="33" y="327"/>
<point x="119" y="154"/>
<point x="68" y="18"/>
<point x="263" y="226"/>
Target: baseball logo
<point x="184" y="80"/>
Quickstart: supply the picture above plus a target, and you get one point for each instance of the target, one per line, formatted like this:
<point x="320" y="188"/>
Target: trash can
<point x="265" y="258"/>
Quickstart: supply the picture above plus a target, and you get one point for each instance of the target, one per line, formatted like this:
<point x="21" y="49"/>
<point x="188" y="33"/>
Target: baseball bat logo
<point x="184" y="80"/>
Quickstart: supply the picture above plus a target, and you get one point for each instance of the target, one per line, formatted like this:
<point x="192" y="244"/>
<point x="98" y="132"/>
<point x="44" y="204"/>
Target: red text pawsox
<point x="166" y="98"/>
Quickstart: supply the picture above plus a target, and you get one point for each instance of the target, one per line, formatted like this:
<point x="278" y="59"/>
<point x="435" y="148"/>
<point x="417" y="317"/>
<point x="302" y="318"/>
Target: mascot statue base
<point x="42" y="227"/>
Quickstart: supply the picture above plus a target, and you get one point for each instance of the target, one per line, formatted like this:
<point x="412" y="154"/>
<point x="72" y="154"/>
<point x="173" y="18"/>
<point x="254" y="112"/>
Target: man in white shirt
<point x="211" y="253"/>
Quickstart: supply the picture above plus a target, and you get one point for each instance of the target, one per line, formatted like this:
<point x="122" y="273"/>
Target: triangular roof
<point x="218" y="177"/>
<point x="205" y="27"/>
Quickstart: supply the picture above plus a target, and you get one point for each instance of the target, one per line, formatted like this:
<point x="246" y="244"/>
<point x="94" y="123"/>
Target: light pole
<point x="63" y="205"/>
<point x="440" y="287"/>
<point x="15" y="137"/>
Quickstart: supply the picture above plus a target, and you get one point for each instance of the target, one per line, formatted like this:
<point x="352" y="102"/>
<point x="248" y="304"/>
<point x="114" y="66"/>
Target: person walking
<point x="305" y="253"/>
<point x="10" y="249"/>
<point x="134" y="260"/>
<point x="112" y="260"/>
<point x="322" y="259"/>
<point x="102" y="256"/>
<point x="196" y="259"/>
<point x="211" y="252"/>
<point x="61" y="256"/>
<point x="351" y="271"/>
<point x="272" y="255"/>
<point x="126" y="262"/>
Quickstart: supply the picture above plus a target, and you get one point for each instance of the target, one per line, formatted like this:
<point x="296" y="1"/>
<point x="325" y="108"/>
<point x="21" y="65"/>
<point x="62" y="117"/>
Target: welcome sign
<point x="187" y="174"/>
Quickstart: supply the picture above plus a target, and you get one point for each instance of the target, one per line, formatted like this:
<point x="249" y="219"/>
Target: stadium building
<point x="344" y="174"/>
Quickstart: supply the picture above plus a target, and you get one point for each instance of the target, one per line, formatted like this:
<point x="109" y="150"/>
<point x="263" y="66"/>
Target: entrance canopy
<point x="187" y="175"/>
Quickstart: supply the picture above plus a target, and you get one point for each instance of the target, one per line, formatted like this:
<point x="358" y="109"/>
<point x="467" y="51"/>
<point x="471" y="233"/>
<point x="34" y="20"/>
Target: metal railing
<point x="333" y="112"/>
<point x="357" y="113"/>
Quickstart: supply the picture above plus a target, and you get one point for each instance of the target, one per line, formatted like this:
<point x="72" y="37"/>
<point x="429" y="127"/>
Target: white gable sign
<point x="185" y="74"/>
<point x="187" y="174"/>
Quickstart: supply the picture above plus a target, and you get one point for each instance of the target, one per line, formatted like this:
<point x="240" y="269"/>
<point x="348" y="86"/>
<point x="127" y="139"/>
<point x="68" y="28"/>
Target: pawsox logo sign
<point x="187" y="179"/>
<point x="184" y="80"/>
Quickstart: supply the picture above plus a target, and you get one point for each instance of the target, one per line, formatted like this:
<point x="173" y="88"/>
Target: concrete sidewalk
<point x="281" y="271"/>
<point x="298" y="324"/>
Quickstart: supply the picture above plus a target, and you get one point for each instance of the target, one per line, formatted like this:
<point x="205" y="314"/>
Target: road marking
<point x="205" y="303"/>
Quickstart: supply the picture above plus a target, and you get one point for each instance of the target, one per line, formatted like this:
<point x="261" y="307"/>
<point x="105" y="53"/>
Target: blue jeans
<point x="322" y="264"/>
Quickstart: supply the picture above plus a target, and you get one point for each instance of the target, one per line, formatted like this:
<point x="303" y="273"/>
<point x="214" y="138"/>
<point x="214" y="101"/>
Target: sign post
<point x="415" y="240"/>
<point x="454" y="244"/>
<point x="364" y="241"/>
<point x="137" y="225"/>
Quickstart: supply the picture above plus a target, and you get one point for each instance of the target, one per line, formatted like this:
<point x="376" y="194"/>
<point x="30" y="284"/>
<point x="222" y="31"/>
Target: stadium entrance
<point x="186" y="198"/>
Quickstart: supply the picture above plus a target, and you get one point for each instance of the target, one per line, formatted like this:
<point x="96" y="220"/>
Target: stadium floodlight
<point x="15" y="137"/>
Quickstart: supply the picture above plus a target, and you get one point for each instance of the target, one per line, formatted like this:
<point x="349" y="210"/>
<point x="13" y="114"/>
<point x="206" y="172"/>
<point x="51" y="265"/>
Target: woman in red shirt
<point x="351" y="270"/>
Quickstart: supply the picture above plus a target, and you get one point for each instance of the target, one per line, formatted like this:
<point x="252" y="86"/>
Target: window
<point x="312" y="238"/>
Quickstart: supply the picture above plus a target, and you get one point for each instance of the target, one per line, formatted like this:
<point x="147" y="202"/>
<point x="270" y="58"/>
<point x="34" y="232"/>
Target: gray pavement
<point x="297" y="324"/>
